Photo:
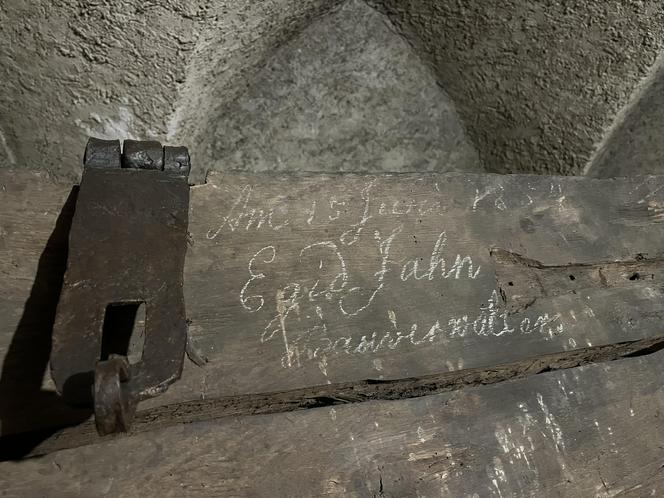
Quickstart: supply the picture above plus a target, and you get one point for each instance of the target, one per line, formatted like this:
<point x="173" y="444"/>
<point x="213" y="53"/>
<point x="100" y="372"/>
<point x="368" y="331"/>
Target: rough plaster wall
<point x="114" y="68"/>
<point x="347" y="94"/>
<point x="225" y="63"/>
<point x="536" y="82"/>
<point x="635" y="144"/>
<point x="72" y="68"/>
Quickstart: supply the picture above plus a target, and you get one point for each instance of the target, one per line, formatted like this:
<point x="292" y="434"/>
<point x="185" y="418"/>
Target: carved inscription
<point x="335" y="294"/>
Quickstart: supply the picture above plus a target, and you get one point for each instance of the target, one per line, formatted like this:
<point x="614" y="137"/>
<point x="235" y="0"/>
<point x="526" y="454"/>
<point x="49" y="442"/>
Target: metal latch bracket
<point x="127" y="245"/>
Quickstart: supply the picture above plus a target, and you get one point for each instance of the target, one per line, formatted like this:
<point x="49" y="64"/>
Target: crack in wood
<point x="523" y="281"/>
<point x="327" y="395"/>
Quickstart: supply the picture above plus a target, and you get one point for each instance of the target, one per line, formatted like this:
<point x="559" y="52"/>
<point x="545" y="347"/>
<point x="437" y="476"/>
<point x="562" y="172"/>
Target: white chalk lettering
<point x="241" y="216"/>
<point x="490" y="322"/>
<point x="437" y="265"/>
<point x="253" y="275"/>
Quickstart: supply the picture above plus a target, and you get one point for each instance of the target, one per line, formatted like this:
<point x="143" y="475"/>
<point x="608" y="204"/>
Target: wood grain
<point x="565" y="274"/>
<point x="297" y="281"/>
<point x="375" y="315"/>
<point x="31" y="444"/>
<point x="590" y="431"/>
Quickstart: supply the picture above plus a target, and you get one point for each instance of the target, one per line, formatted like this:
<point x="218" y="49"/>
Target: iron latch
<point x="127" y="247"/>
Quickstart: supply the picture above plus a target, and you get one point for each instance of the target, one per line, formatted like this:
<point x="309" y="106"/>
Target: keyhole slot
<point x="124" y="331"/>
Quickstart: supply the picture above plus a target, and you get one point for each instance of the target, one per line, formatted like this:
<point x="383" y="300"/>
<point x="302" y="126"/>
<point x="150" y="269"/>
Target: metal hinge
<point x="126" y="249"/>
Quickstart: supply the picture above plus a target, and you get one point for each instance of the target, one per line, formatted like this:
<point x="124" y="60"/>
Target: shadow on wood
<point x="28" y="354"/>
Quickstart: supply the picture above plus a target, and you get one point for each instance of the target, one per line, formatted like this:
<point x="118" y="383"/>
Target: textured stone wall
<point x="538" y="82"/>
<point x="129" y="68"/>
<point x="634" y="144"/>
<point x="346" y="94"/>
<point x="530" y="86"/>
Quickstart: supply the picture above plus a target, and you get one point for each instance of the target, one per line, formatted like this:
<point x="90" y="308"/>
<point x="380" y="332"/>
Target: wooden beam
<point x="590" y="431"/>
<point x="37" y="443"/>
<point x="298" y="281"/>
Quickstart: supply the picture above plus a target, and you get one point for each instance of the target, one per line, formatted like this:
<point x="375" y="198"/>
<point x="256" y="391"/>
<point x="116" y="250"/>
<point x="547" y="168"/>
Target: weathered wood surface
<point x="593" y="431"/>
<point x="315" y="279"/>
<point x="294" y="281"/>
<point x="37" y="443"/>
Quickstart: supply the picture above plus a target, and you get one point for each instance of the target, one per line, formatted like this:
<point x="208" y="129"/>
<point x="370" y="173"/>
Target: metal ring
<point x="114" y="408"/>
